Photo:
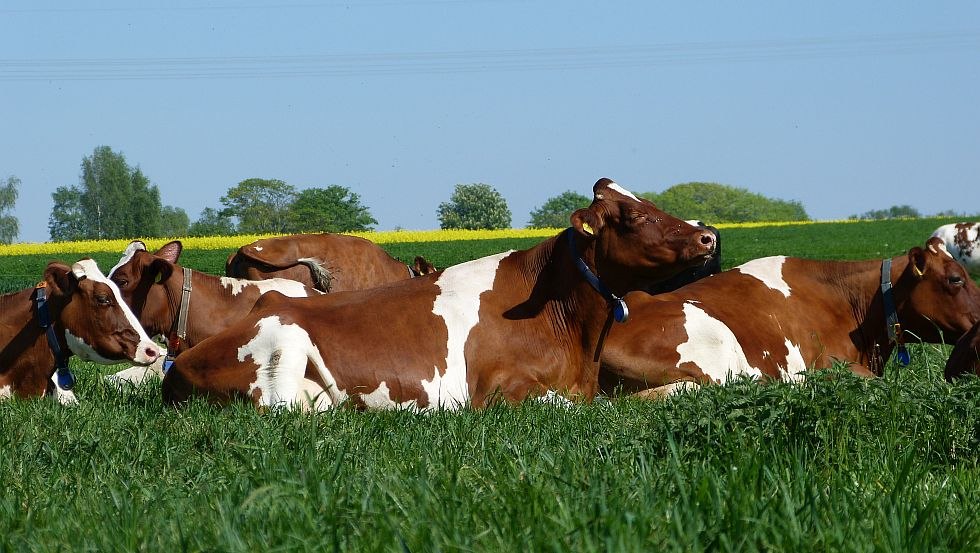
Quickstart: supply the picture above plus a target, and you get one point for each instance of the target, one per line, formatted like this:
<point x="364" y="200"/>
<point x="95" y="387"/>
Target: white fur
<point x="769" y="270"/>
<point x="281" y="353"/>
<point x="64" y="397"/>
<point x="284" y="286"/>
<point x="967" y="252"/>
<point x="554" y="398"/>
<point x="623" y="191"/>
<point x="127" y="255"/>
<point x="381" y="399"/>
<point x="458" y="303"/>
<point x="795" y="364"/>
<point x="713" y="347"/>
<point x="6" y="392"/>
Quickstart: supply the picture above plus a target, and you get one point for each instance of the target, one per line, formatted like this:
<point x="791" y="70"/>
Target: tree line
<point x="116" y="200"/>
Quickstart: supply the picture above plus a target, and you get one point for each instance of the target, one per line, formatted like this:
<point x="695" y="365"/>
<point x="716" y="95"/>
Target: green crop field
<point x="837" y="463"/>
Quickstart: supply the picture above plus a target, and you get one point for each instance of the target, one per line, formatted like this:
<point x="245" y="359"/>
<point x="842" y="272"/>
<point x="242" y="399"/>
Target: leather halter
<point x="65" y="379"/>
<point x="179" y="331"/>
<point x="893" y="328"/>
<point x="617" y="305"/>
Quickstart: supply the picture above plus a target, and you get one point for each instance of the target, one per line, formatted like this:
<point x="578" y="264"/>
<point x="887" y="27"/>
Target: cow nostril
<point x="152" y="353"/>
<point x="707" y="239"/>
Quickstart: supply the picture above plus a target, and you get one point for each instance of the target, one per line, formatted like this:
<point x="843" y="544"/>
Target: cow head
<point x="965" y="357"/>
<point x="942" y="297"/>
<point x="421" y="266"/>
<point x="633" y="243"/>
<point x="141" y="278"/>
<point x="97" y="324"/>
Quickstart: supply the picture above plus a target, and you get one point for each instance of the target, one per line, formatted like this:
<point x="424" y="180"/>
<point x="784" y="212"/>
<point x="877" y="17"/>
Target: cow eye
<point x="955" y="280"/>
<point x="120" y="282"/>
<point x="103" y="299"/>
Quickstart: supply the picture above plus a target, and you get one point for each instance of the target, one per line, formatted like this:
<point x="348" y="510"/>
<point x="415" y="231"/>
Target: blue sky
<point x="843" y="106"/>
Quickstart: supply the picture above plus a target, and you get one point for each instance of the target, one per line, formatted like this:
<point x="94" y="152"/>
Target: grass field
<point x="838" y="463"/>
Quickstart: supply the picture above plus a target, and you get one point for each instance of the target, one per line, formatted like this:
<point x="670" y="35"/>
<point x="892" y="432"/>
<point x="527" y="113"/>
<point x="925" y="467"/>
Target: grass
<point x="838" y="463"/>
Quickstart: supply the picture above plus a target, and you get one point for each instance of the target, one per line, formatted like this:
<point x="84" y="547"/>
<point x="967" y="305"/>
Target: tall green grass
<point x="836" y="463"/>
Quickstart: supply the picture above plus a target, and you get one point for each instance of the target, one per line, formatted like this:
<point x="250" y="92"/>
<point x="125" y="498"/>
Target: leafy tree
<point x="9" y="227"/>
<point x="174" y="221"/>
<point x="474" y="206"/>
<point x="331" y="209"/>
<point x="113" y="201"/>
<point x="557" y="211"/>
<point x="67" y="220"/>
<point x="212" y="223"/>
<point x="719" y="203"/>
<point x="259" y="205"/>
<point x="893" y="212"/>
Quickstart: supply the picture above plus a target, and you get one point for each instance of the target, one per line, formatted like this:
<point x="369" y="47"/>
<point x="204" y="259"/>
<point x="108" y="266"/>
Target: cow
<point x="963" y="243"/>
<point x="327" y="262"/>
<point x="505" y="327"/>
<point x="965" y="357"/>
<point x="74" y="311"/>
<point x="776" y="317"/>
<point x="153" y="285"/>
<point x="687" y="276"/>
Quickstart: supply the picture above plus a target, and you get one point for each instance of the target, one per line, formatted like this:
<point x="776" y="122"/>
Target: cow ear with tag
<point x="60" y="279"/>
<point x="917" y="262"/>
<point x="586" y="223"/>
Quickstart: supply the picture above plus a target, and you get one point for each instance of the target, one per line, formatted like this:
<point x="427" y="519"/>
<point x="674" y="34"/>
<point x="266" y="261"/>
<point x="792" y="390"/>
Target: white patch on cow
<point x="286" y="287"/>
<point x="281" y="353"/>
<point x="694" y="223"/>
<point x="942" y="248"/>
<point x="554" y="398"/>
<point x="458" y="303"/>
<point x="712" y="346"/>
<point x="258" y="248"/>
<point x="134" y="377"/>
<point x="381" y="399"/>
<point x="64" y="397"/>
<point x="623" y="191"/>
<point x="769" y="270"/>
<point x="962" y="244"/>
<point x="127" y="255"/>
<point x="6" y="392"/>
<point x="91" y="271"/>
<point x="795" y="365"/>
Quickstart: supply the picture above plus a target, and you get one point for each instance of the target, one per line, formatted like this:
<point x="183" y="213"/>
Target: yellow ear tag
<point x="918" y="273"/>
<point x="588" y="229"/>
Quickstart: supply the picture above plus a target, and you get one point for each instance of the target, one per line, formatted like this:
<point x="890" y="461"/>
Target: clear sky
<point x="843" y="106"/>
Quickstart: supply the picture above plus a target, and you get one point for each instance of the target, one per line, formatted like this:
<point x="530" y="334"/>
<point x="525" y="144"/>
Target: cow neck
<point x="65" y="379"/>
<point x="864" y="288"/>
<point x="617" y="306"/>
<point x="178" y="329"/>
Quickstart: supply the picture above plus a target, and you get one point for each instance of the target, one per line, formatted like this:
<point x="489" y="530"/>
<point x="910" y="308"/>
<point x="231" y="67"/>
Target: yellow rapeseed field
<point x="381" y="237"/>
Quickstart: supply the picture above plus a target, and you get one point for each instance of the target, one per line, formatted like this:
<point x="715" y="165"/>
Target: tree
<point x="174" y="222"/>
<point x="112" y="200"/>
<point x="259" y="205"/>
<point x="331" y="209"/>
<point x="474" y="206"/>
<point x="718" y="203"/>
<point x="557" y="211"/>
<point x="894" y="212"/>
<point x="212" y="223"/>
<point x="67" y="221"/>
<point x="9" y="226"/>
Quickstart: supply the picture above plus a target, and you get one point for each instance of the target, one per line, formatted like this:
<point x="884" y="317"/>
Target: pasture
<point x="838" y="463"/>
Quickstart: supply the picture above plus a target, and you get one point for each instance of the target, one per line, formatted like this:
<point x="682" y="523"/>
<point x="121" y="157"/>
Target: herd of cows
<point x="627" y="300"/>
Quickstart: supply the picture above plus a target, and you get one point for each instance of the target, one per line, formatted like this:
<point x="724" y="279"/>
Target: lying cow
<point x="327" y="262"/>
<point x="507" y="326"/>
<point x="965" y="357"/>
<point x="687" y="276"/>
<point x="778" y="316"/>
<point x="153" y="285"/>
<point x="74" y="310"/>
<point x="963" y="243"/>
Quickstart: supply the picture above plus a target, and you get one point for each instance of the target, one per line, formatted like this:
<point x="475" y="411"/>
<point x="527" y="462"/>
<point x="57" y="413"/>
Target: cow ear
<point x="917" y="262"/>
<point x="161" y="270"/>
<point x="170" y="251"/>
<point x="60" y="279"/>
<point x="586" y="222"/>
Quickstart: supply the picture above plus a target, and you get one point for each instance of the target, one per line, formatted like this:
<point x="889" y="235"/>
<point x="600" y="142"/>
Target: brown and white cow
<point x="89" y="319"/>
<point x="327" y="262"/>
<point x="963" y="242"/>
<point x="965" y="357"/>
<point x="152" y="284"/>
<point x="778" y="316"/>
<point x="507" y="326"/>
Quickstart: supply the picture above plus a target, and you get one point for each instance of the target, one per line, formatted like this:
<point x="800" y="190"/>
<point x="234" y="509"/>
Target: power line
<point x="479" y="61"/>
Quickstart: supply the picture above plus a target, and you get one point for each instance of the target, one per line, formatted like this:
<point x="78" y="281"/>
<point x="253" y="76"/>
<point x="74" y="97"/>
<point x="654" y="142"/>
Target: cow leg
<point x="663" y="392"/>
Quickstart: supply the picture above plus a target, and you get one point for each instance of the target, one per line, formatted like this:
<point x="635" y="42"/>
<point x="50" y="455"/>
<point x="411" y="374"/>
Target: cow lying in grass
<point x="153" y="285"/>
<point x="87" y="318"/>
<point x="776" y="317"/>
<point x="327" y="262"/>
<point x="507" y="326"/>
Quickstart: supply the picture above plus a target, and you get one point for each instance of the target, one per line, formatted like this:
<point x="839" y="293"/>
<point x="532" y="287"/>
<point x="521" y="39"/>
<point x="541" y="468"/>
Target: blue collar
<point x="892" y="326"/>
<point x="65" y="379"/>
<point x="620" y="311"/>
